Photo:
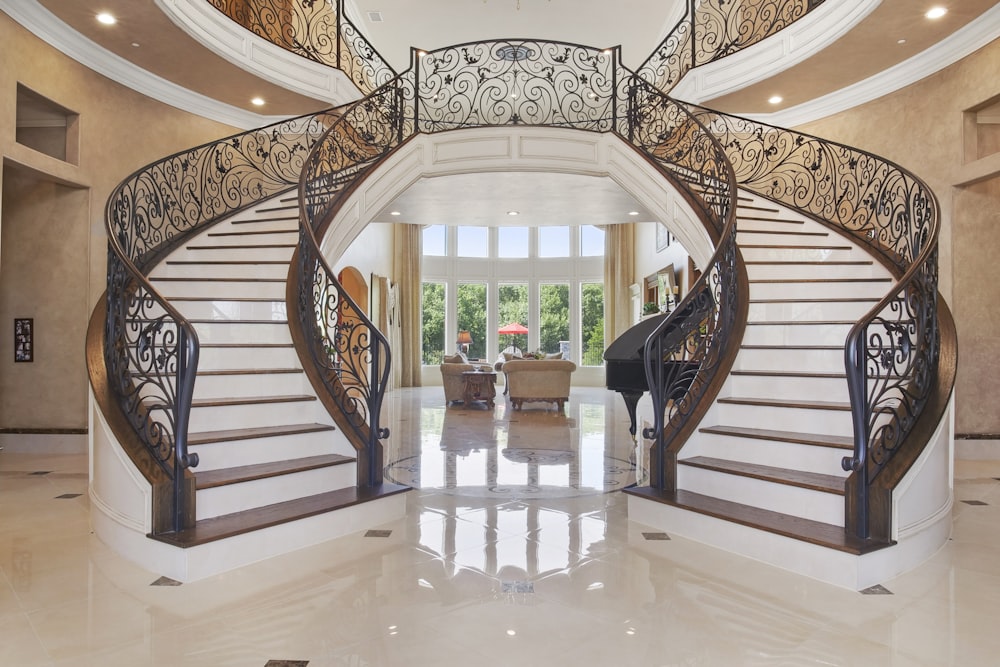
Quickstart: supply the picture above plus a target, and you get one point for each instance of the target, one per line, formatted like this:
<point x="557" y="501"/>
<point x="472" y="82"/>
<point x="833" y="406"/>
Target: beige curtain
<point x="406" y="253"/>
<point x="619" y="274"/>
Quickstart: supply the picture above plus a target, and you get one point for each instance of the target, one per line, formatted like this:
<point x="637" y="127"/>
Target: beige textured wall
<point x="921" y="128"/>
<point x="53" y="244"/>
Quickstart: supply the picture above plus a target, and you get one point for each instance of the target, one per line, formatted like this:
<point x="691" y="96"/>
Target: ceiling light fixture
<point x="936" y="12"/>
<point x="394" y="213"/>
<point x="633" y="212"/>
<point x="106" y="18"/>
<point x="513" y="213"/>
<point x="775" y="99"/>
<point x="257" y="101"/>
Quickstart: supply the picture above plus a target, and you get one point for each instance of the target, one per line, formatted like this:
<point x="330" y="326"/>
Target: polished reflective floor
<point x="542" y="569"/>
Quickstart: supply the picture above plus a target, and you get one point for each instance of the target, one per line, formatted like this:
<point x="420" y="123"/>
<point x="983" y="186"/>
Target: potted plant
<point x="650" y="308"/>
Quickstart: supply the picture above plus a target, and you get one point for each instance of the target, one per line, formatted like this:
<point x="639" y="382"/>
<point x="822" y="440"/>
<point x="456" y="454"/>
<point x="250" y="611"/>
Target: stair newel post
<point x="375" y="392"/>
<point x="654" y="379"/>
<point x="187" y="364"/>
<point x="857" y="498"/>
<point x="415" y="66"/>
<point x="340" y="32"/>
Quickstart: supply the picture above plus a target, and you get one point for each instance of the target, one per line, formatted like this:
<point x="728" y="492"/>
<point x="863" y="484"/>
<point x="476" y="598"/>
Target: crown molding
<point x="802" y="39"/>
<point x="46" y="26"/>
<point x="229" y="40"/>
<point x="958" y="45"/>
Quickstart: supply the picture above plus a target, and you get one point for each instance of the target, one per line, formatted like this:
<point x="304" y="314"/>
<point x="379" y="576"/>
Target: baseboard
<point x="54" y="441"/>
<point x="977" y="449"/>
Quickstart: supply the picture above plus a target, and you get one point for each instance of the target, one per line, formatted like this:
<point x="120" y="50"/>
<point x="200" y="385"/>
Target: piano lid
<point x="630" y="344"/>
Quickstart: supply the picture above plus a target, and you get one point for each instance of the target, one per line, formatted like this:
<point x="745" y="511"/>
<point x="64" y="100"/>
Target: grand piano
<point x="624" y="362"/>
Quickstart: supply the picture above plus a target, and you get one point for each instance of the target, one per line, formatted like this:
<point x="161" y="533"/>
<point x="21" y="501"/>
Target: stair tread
<point x="815" y="348"/>
<point x="800" y="478"/>
<point x="808" y="262"/>
<point x="249" y="400"/>
<point x="227" y="279"/>
<point x="236" y="246"/>
<point x="249" y="371"/>
<point x="786" y="403"/>
<point x="275" y="218"/>
<point x="224" y="262"/>
<point x="781" y="232"/>
<point x="761" y="372"/>
<point x="246" y="345"/>
<point x="236" y="321"/>
<point x="851" y="299"/>
<point x="237" y="299"/>
<point x="757" y="218"/>
<point x="786" y="281"/>
<point x="254" y="232"/>
<point x="806" y="530"/>
<point x="226" y="435"/>
<point x="238" y="523"/>
<point x="818" y="439"/>
<point x="796" y="322"/>
<point x="778" y="246"/>
<point x="210" y="479"/>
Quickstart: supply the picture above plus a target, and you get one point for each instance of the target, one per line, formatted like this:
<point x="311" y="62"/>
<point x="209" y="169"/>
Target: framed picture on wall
<point x="24" y="339"/>
<point x="662" y="237"/>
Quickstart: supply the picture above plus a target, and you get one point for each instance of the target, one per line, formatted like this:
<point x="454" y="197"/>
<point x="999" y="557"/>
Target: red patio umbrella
<point x="514" y="329"/>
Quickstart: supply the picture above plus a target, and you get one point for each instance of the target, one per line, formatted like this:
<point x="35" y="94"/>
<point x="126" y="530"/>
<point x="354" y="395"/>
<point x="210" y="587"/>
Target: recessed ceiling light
<point x="775" y="99"/>
<point x="633" y="212"/>
<point x="135" y="44"/>
<point x="901" y="41"/>
<point x="394" y="213"/>
<point x="936" y="12"/>
<point x="106" y="18"/>
<point x="257" y="101"/>
<point x="513" y="213"/>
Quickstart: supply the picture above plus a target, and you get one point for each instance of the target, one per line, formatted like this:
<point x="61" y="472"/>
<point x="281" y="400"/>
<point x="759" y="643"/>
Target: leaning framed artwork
<point x="662" y="237"/>
<point x="24" y="339"/>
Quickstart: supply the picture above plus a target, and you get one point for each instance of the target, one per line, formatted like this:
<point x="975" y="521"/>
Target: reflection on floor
<point x="535" y="452"/>
<point x="482" y="578"/>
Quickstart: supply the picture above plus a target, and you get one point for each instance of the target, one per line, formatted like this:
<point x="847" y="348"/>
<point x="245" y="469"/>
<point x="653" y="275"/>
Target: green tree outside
<point x="432" y="306"/>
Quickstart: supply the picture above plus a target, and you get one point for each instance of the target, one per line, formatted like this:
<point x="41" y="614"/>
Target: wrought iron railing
<point x="319" y="30"/>
<point x="719" y="28"/>
<point x="686" y="352"/>
<point x="891" y="354"/>
<point x="150" y="349"/>
<point x="483" y="85"/>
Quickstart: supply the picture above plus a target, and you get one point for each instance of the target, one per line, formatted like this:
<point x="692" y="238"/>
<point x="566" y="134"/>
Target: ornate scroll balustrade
<point x="349" y="354"/>
<point x="517" y="82"/>
<point x="314" y="29"/>
<point x="719" y="28"/>
<point x="151" y="350"/>
<point x="891" y="354"/>
<point x="686" y="354"/>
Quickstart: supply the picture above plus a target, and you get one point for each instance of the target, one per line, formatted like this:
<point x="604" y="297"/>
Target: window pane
<point x="473" y="241"/>
<point x="512" y="241"/>
<point x="553" y="317"/>
<point x="512" y="308"/>
<point x="591" y="241"/>
<point x="472" y="316"/>
<point x="432" y="304"/>
<point x="553" y="242"/>
<point x="435" y="240"/>
<point x="592" y="324"/>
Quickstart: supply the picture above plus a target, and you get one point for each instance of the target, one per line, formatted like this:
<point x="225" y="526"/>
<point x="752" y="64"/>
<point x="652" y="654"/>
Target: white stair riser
<point x="796" y="334"/>
<point x="243" y="332"/>
<point x="197" y="252"/>
<point x="794" y="388"/>
<point x="265" y="384"/>
<point x="812" y="271"/>
<point x="260" y="221"/>
<point x="805" y="503"/>
<point x="221" y="290"/>
<point x="809" y="290"/>
<point x="244" y="271"/>
<point x="790" y="253"/>
<point x="799" y="420"/>
<point x="258" y="493"/>
<point x="289" y="233"/>
<point x="233" y="453"/>
<point x="791" y="359"/>
<point x="809" y="310"/>
<point x="232" y="358"/>
<point x="222" y="309"/>
<point x="825" y="460"/>
<point x="761" y="237"/>
<point x="217" y="418"/>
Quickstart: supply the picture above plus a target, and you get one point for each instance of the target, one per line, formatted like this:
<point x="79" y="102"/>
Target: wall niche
<point x="47" y="127"/>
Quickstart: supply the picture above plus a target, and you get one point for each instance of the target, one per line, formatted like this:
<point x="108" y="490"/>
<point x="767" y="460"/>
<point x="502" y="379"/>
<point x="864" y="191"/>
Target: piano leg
<point x="631" y="401"/>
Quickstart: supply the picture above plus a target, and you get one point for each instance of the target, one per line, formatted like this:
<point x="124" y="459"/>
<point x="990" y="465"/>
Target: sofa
<point x="538" y="380"/>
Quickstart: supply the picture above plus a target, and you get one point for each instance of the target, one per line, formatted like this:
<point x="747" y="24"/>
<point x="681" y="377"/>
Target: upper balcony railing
<point x="713" y="29"/>
<point x="317" y="30"/>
